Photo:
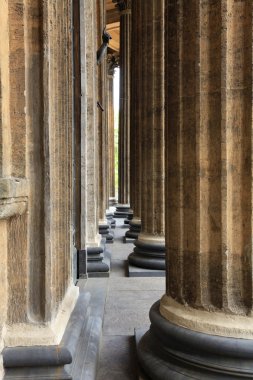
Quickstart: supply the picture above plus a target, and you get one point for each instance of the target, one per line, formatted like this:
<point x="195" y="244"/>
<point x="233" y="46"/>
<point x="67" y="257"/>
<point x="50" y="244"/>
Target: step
<point x="50" y="362"/>
<point x="87" y="357"/>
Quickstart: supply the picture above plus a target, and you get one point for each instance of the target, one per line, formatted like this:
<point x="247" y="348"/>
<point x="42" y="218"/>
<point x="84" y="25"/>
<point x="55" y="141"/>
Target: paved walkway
<point x="126" y="306"/>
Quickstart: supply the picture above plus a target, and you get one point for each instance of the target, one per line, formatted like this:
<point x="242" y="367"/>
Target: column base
<point x="122" y="211"/>
<point x="97" y="263"/>
<point x="104" y="230"/>
<point x="135" y="229"/>
<point x="129" y="217"/>
<point x="150" y="255"/>
<point x="112" y="201"/>
<point x="65" y="361"/>
<point x="110" y="220"/>
<point x="168" y="351"/>
<point x="82" y="263"/>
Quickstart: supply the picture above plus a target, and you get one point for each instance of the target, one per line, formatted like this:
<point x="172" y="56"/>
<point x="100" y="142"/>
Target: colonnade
<point x="185" y="178"/>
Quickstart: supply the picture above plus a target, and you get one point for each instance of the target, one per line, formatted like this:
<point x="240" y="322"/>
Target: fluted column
<point x="136" y="121"/>
<point x="103" y="200"/>
<point x="205" y="321"/>
<point x="124" y="113"/>
<point x="150" y="246"/>
<point x="95" y="258"/>
<point x="111" y="138"/>
<point x="113" y="62"/>
<point x="101" y="115"/>
<point x="89" y="36"/>
<point x="93" y="242"/>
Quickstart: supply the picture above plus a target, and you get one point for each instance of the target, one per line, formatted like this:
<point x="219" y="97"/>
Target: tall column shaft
<point x="209" y="186"/>
<point x="136" y="111"/>
<point x="136" y="122"/>
<point x="150" y="246"/>
<point x="124" y="116"/>
<point x="92" y="236"/>
<point x="207" y="308"/>
<point x="111" y="136"/>
<point x="96" y="174"/>
<point x="102" y="116"/>
<point x="79" y="144"/>
<point x="36" y="172"/>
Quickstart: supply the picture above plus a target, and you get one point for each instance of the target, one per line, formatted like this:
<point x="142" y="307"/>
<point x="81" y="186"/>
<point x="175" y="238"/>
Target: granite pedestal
<point x="168" y="351"/>
<point x="98" y="261"/>
<point x="148" y="255"/>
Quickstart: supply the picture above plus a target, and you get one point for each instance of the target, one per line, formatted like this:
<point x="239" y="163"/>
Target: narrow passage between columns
<point x="124" y="304"/>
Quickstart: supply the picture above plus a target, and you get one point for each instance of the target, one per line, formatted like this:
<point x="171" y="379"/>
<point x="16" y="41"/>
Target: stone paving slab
<point x="117" y="360"/>
<point x="127" y="305"/>
<point x="118" y="269"/>
<point x="147" y="284"/>
<point x="126" y="310"/>
<point x="143" y="272"/>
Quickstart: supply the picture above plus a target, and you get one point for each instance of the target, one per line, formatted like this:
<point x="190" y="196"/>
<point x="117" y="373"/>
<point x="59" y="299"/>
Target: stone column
<point x="124" y="116"/>
<point x="103" y="200"/>
<point x="203" y="327"/>
<point x="112" y="64"/>
<point x="100" y="16"/>
<point x="94" y="246"/>
<point x="150" y="246"/>
<point x="38" y="294"/>
<point x="79" y="145"/>
<point x="111" y="138"/>
<point x="136" y="121"/>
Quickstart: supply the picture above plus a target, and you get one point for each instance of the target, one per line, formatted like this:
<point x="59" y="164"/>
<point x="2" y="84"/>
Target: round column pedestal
<point x="104" y="230"/>
<point x="122" y="211"/>
<point x="95" y="260"/>
<point x="112" y="201"/>
<point x="135" y="229"/>
<point x="149" y="254"/>
<point x="111" y="221"/>
<point x="168" y="351"/>
<point x="129" y="217"/>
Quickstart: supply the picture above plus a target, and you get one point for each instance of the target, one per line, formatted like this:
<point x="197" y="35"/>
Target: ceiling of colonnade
<point x="113" y="25"/>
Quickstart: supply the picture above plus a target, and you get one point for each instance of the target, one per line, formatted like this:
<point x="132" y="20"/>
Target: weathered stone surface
<point x="208" y="156"/>
<point x="136" y="111"/>
<point x="92" y="237"/>
<point x="110" y="100"/>
<point x="36" y="167"/>
<point x="102" y="119"/>
<point x="124" y="117"/>
<point x="206" y="314"/>
<point x="36" y="171"/>
<point x="151" y="115"/>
